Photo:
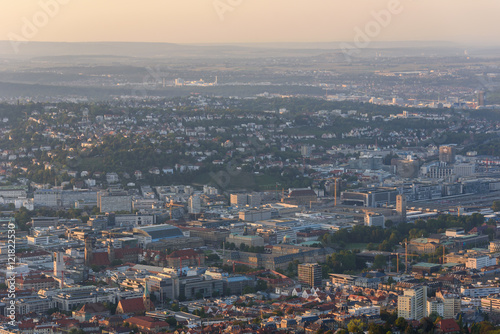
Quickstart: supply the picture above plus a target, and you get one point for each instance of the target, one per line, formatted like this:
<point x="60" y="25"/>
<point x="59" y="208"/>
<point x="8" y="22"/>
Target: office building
<point x="310" y="274"/>
<point x="413" y="304"/>
<point x="447" y="154"/>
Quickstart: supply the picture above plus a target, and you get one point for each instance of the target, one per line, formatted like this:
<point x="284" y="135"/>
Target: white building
<point x="413" y="304"/>
<point x="480" y="261"/>
<point x="194" y="204"/>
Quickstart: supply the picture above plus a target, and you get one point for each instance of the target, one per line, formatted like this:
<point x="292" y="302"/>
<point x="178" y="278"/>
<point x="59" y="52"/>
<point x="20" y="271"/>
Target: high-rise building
<point x="59" y="265"/>
<point x="310" y="274"/>
<point x="194" y="204"/>
<point x="447" y="154"/>
<point x="452" y="306"/>
<point x="89" y="253"/>
<point x="413" y="304"/>
<point x="306" y="151"/>
<point x="401" y="206"/>
<point x="480" y="98"/>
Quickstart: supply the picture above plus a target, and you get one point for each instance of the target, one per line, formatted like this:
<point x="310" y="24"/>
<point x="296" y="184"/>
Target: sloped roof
<point x="93" y="308"/>
<point x="100" y="259"/>
<point x="121" y="252"/>
<point x="147" y="322"/>
<point x="132" y="305"/>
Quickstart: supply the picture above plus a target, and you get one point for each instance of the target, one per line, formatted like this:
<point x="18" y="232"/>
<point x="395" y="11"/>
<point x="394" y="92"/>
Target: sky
<point x="250" y="21"/>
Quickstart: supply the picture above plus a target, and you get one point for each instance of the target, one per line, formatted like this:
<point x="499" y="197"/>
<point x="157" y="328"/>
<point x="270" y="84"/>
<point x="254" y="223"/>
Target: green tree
<point x="401" y="323"/>
<point x="379" y="262"/>
<point x="356" y="326"/>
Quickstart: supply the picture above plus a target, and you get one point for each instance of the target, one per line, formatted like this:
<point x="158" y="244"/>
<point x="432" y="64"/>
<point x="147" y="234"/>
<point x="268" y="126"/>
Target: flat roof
<point x="426" y="265"/>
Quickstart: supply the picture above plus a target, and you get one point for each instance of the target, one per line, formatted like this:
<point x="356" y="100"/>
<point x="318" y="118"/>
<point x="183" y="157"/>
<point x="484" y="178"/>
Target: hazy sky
<point x="223" y="21"/>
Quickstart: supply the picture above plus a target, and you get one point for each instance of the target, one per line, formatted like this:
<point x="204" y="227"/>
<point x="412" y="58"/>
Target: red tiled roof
<point x="121" y="252"/>
<point x="448" y="326"/>
<point x="132" y="305"/>
<point x="100" y="259"/>
<point x="146" y="322"/>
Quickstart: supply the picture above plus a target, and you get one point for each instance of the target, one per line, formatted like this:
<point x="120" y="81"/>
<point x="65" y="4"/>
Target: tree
<point x="356" y="326"/>
<point x="496" y="206"/>
<point x="171" y="321"/>
<point x="261" y="285"/>
<point x="379" y="262"/>
<point x="401" y="323"/>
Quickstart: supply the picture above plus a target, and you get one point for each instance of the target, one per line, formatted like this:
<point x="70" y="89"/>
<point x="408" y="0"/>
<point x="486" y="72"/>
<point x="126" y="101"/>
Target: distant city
<point x="284" y="191"/>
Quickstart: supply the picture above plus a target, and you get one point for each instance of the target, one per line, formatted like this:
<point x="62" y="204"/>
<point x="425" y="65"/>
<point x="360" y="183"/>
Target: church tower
<point x="111" y="252"/>
<point x="89" y="254"/>
<point x="147" y="298"/>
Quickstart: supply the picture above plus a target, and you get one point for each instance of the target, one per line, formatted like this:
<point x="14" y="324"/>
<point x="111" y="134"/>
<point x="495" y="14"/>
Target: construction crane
<point x="171" y="204"/>
<point x="397" y="260"/>
<point x="238" y="262"/>
<point x="335" y="189"/>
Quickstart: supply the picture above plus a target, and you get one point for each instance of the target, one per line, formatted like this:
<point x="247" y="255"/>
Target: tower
<point x="89" y="255"/>
<point x="146" y="298"/>
<point x="447" y="154"/>
<point x="111" y="252"/>
<point x="59" y="265"/>
<point x="480" y="98"/>
<point x="401" y="206"/>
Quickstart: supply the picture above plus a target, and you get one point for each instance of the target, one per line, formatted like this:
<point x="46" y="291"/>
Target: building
<point x="255" y="215"/>
<point x="247" y="240"/>
<point x="34" y="304"/>
<point x="148" y="324"/>
<point x="401" y="206"/>
<point x="452" y="305"/>
<point x="194" y="204"/>
<point x="480" y="261"/>
<point x="195" y="287"/>
<point x="68" y="298"/>
<point x="306" y="151"/>
<point x="164" y="286"/>
<point x="310" y="274"/>
<point x="244" y="199"/>
<point x="447" y="154"/>
<point x="413" y="304"/>
<point x="464" y="169"/>
<point x="185" y="257"/>
<point x="435" y="305"/>
<point x="370" y="197"/>
<point x="491" y="303"/>
<point x="155" y="233"/>
<point x="35" y="282"/>
<point x="425" y="268"/>
<point x="87" y="311"/>
<point x="113" y="201"/>
<point x="423" y="245"/>
<point x="374" y="219"/>
<point x="300" y="196"/>
<point x="480" y="98"/>
<point x="494" y="246"/>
